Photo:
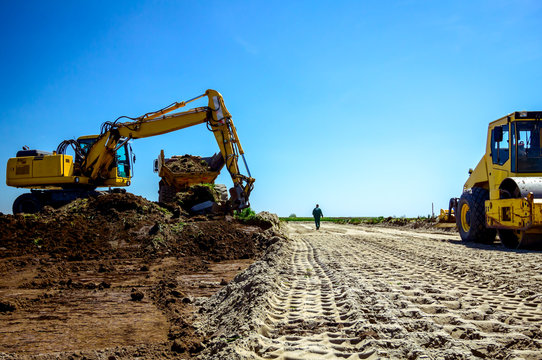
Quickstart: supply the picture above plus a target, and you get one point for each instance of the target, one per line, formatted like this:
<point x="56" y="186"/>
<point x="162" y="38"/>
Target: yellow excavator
<point x="504" y="192"/>
<point x="105" y="160"/>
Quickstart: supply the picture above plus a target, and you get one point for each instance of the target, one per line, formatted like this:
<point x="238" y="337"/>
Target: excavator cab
<point x="120" y="170"/>
<point x="85" y="142"/>
<point x="56" y="179"/>
<point x="122" y="160"/>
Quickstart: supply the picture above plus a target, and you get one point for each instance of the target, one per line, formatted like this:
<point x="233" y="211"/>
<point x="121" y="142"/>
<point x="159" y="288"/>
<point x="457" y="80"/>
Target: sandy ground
<point x="367" y="292"/>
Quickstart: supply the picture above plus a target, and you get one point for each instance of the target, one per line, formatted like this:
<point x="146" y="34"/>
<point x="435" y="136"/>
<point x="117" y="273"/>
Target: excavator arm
<point x="101" y="155"/>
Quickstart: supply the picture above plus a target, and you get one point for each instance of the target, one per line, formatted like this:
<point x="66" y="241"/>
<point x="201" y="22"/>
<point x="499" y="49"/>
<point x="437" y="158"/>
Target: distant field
<point x="357" y="220"/>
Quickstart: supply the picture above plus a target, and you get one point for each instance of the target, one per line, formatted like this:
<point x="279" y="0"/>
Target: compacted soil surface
<point x="368" y="292"/>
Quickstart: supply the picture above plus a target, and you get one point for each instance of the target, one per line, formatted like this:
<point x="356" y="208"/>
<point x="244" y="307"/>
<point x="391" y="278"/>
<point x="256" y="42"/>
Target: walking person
<point x="317" y="213"/>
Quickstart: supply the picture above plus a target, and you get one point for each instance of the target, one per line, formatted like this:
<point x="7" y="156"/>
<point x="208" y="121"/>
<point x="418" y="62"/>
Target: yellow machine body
<point x="105" y="160"/>
<point x="517" y="214"/>
<point x="29" y="171"/>
<point x="57" y="171"/>
<point x="509" y="178"/>
<point x="446" y="219"/>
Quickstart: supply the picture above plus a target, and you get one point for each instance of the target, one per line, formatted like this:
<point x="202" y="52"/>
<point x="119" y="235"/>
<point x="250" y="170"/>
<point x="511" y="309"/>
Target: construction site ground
<point x="345" y="292"/>
<point x="377" y="292"/>
<point x="116" y="276"/>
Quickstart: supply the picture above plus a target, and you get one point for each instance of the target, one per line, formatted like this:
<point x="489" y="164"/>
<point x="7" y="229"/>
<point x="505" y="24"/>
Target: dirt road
<point x="366" y="292"/>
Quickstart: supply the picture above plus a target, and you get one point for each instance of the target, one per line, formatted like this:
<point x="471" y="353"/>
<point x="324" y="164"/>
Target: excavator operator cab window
<point x="85" y="144"/>
<point x="500" y="151"/>
<point x="526" y="141"/>
<point x="123" y="161"/>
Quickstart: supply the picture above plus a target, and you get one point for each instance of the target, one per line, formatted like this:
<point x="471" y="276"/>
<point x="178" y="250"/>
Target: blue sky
<point x="366" y="107"/>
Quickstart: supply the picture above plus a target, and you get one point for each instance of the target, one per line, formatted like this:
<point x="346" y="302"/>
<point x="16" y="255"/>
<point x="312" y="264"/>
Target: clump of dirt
<point x="136" y="295"/>
<point x="264" y="220"/>
<point x="196" y="194"/>
<point x="187" y="164"/>
<point x="6" y="306"/>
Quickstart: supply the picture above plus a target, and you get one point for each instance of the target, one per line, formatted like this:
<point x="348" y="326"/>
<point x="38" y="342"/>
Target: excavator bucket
<point x="183" y="177"/>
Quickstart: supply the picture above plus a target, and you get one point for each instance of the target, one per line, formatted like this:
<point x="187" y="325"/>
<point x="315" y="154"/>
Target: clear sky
<point x="367" y="107"/>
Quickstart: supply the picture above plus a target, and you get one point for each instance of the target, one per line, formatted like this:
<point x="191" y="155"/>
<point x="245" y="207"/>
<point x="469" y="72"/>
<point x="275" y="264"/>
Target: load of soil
<point x="196" y="194"/>
<point x="187" y="164"/>
<point x="116" y="260"/>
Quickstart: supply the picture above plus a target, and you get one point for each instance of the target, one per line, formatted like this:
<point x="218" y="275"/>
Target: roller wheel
<point x="471" y="217"/>
<point x="26" y="203"/>
<point x="166" y="193"/>
<point x="222" y="191"/>
<point x="514" y="239"/>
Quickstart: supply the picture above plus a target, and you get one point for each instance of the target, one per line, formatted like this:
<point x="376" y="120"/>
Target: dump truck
<point x="106" y="160"/>
<point x="178" y="173"/>
<point x="503" y="193"/>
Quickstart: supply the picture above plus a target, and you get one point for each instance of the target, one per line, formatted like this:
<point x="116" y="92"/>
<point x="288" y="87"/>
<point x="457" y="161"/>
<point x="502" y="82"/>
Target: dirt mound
<point x="187" y="164"/>
<point x="121" y="226"/>
<point x="418" y="223"/>
<point x="103" y="264"/>
<point x="86" y="228"/>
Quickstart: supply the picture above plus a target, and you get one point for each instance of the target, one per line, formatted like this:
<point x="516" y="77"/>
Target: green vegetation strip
<point x="358" y="220"/>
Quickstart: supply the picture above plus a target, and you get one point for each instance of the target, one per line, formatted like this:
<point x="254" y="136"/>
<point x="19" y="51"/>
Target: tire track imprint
<point x="407" y="267"/>
<point x="305" y="318"/>
<point x="384" y="299"/>
<point x="368" y="292"/>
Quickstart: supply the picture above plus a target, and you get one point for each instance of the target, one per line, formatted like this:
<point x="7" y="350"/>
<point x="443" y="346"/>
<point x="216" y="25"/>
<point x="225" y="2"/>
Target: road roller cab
<point x="504" y="192"/>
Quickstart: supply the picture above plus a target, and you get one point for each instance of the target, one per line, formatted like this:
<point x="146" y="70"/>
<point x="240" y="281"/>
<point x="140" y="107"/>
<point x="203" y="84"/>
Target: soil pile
<point x="125" y="225"/>
<point x="116" y="264"/>
<point x="419" y="223"/>
<point x="86" y="228"/>
<point x="187" y="164"/>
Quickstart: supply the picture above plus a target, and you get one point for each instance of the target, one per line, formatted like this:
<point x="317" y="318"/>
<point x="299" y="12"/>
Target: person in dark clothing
<point x="317" y="213"/>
